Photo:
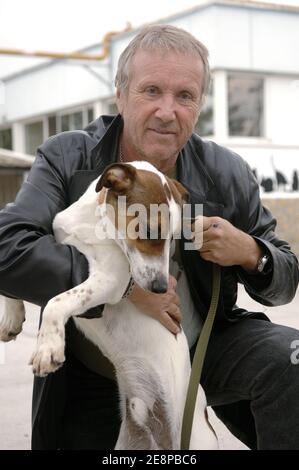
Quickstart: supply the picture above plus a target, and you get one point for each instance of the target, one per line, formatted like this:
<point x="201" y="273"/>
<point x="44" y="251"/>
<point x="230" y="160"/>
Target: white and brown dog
<point x="152" y="365"/>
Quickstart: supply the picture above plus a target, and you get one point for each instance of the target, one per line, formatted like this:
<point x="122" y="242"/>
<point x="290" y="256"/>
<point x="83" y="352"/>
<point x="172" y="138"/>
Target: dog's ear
<point x="119" y="177"/>
<point x="179" y="192"/>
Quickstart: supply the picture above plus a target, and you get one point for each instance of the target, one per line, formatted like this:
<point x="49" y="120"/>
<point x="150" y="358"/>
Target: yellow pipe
<point x="70" y="55"/>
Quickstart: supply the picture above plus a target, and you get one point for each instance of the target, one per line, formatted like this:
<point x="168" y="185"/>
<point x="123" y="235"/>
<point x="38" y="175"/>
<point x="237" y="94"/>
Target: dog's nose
<point x="159" y="286"/>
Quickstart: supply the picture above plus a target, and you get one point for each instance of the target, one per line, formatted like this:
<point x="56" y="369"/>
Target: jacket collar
<point x="106" y="149"/>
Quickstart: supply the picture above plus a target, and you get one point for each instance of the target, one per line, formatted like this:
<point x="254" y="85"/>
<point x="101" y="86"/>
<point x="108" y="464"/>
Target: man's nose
<point x="166" y="110"/>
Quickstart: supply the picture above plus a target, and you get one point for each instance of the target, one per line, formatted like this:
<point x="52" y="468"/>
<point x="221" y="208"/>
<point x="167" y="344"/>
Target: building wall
<point x="239" y="38"/>
<point x="256" y="39"/>
<point x="282" y="110"/>
<point x="286" y="211"/>
<point x="53" y="88"/>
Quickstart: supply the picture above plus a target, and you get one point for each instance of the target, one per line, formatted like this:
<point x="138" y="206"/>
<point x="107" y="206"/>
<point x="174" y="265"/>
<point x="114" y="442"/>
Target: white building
<point x="253" y="106"/>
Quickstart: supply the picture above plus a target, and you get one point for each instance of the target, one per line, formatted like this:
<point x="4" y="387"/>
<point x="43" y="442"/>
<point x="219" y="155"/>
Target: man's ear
<point x="119" y="100"/>
<point x="119" y="177"/>
<point x="178" y="191"/>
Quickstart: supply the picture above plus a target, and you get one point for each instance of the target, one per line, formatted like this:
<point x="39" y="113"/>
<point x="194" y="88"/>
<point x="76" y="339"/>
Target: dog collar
<point x="129" y="288"/>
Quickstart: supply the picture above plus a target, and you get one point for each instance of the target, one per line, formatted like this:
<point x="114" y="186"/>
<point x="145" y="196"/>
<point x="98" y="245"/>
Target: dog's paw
<point x="49" y="355"/>
<point x="8" y="334"/>
<point x="11" y="319"/>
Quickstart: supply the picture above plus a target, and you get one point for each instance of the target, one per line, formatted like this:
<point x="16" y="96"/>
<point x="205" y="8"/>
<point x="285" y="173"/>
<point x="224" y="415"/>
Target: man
<point x="162" y="79"/>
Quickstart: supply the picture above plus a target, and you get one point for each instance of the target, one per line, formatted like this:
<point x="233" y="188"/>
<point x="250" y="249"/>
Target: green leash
<point x="198" y="361"/>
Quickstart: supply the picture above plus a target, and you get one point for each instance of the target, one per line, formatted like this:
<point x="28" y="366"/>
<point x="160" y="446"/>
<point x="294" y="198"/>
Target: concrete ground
<point x="16" y="377"/>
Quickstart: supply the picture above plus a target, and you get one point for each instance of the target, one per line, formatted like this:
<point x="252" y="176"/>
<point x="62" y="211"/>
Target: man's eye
<point x="185" y="96"/>
<point x="151" y="90"/>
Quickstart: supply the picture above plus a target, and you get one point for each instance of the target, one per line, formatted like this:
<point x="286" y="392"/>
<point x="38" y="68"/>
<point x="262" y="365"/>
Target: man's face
<point x="161" y="105"/>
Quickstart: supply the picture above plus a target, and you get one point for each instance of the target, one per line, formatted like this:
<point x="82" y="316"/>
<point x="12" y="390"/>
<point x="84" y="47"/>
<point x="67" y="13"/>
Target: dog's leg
<point x="98" y="289"/>
<point x="11" y="319"/>
<point x="203" y="436"/>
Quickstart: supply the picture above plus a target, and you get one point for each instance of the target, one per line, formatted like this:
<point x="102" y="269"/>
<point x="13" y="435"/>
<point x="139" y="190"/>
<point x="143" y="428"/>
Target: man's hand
<point x="224" y="244"/>
<point x="162" y="307"/>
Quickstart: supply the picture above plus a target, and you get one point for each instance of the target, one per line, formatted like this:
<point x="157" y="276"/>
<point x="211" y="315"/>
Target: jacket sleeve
<point x="279" y="285"/>
<point x="33" y="266"/>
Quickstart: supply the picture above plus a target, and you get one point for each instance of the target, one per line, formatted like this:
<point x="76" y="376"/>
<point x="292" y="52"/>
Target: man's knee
<point x="280" y="347"/>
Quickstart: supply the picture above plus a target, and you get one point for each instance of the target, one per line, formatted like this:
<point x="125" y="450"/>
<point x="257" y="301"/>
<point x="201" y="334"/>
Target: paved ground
<point x="16" y="377"/>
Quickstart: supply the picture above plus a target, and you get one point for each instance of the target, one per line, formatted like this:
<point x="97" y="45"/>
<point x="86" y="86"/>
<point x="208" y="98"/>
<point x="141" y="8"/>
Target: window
<point x="33" y="136"/>
<point x="90" y="115"/>
<point x="245" y="106"/>
<point x="72" y="121"/>
<point x="205" y="123"/>
<point x="77" y="120"/>
<point x="65" y="123"/>
<point x="6" y="139"/>
<point x="52" y="125"/>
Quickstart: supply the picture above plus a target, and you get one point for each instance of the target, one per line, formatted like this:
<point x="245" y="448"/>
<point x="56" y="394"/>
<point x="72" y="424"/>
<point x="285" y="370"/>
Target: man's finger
<point x="175" y="313"/>
<point x="172" y="283"/>
<point x="202" y="223"/>
<point x="171" y="325"/>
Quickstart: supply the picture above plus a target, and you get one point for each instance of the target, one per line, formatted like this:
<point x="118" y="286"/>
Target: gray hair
<point x="164" y="38"/>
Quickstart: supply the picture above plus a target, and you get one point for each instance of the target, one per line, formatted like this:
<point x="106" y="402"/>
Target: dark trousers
<point x="248" y="378"/>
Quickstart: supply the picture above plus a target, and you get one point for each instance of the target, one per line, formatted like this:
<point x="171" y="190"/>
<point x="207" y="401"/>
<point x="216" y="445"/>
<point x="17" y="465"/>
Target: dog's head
<point x="145" y="208"/>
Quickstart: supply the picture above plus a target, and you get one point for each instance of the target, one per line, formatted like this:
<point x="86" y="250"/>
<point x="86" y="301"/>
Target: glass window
<point x="205" y="123"/>
<point x="77" y="120"/>
<point x="52" y="124"/>
<point x="245" y="106"/>
<point x="72" y="122"/>
<point x="33" y="136"/>
<point x="65" y="123"/>
<point x="90" y="114"/>
<point x="6" y="139"/>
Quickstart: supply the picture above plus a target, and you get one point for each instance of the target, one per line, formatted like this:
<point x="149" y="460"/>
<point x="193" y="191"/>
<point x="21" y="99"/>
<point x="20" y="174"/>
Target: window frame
<point x="250" y="75"/>
<point x="8" y="128"/>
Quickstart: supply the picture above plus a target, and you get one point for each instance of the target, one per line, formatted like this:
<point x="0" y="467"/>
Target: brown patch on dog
<point x="179" y="192"/>
<point x="118" y="177"/>
<point x="146" y="189"/>
<point x="57" y="299"/>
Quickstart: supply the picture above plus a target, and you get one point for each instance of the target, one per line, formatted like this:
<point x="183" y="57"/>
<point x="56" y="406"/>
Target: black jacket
<point x="35" y="268"/>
